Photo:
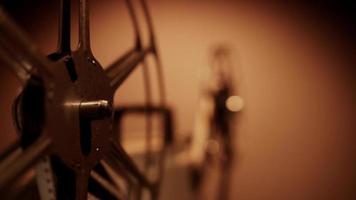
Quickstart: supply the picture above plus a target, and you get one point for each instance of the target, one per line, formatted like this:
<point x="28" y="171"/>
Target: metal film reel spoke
<point x="9" y="172"/>
<point x="18" y="53"/>
<point x="63" y="45"/>
<point x="123" y="67"/>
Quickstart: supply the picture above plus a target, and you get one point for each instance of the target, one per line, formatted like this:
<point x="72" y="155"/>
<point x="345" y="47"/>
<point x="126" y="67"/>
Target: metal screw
<point x="95" y="109"/>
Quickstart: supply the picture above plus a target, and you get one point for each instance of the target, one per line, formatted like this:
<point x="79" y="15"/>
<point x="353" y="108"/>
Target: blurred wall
<point x="294" y="67"/>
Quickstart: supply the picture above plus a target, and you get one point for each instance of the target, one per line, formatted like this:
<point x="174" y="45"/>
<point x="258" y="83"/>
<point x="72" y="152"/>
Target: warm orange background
<point x="294" y="67"/>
